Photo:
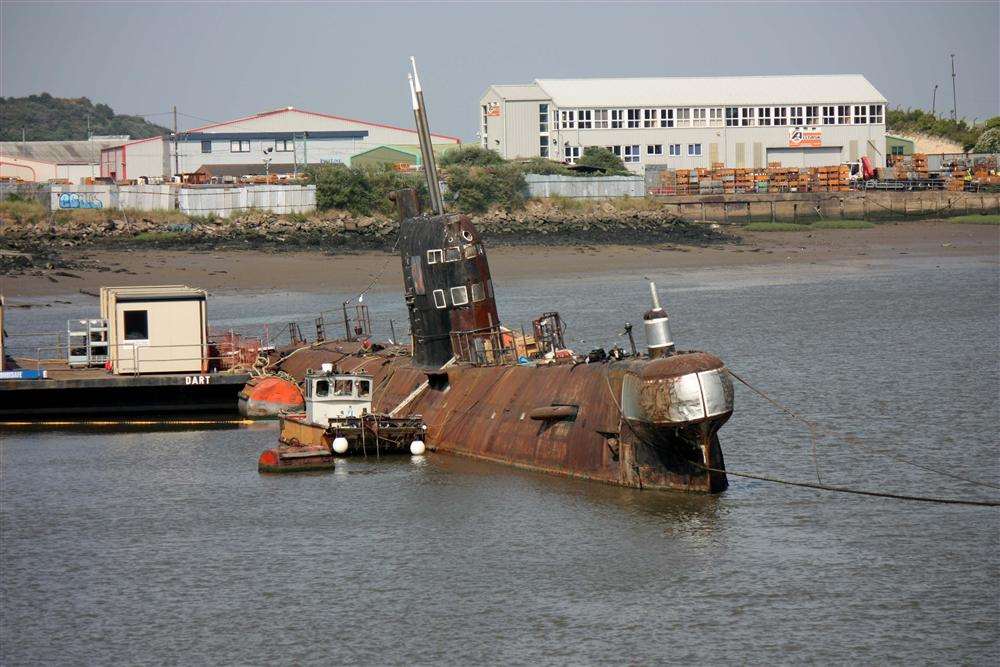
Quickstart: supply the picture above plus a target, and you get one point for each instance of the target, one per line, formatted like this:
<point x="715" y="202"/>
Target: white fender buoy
<point x="340" y="445"/>
<point x="417" y="447"/>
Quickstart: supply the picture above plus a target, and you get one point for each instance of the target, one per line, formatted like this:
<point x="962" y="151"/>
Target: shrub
<point x="22" y="211"/>
<point x="362" y="191"/>
<point x="545" y="167"/>
<point x="989" y="141"/>
<point x="471" y="155"/>
<point x="602" y="158"/>
<point x="474" y="189"/>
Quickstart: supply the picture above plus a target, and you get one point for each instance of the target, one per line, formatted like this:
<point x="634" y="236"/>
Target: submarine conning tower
<point x="447" y="285"/>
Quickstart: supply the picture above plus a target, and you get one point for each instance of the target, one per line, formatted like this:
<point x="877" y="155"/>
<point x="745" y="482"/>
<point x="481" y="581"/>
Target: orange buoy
<point x="268" y="395"/>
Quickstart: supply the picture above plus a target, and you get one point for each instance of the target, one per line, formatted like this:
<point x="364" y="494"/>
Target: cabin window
<point x="343" y="387"/>
<point x="477" y="292"/>
<point x="453" y="254"/>
<point x="470" y="251"/>
<point x="322" y="388"/>
<point x="435" y="256"/>
<point x="364" y="388"/>
<point x="136" y="325"/>
<point x="439" y="300"/>
<point x="459" y="296"/>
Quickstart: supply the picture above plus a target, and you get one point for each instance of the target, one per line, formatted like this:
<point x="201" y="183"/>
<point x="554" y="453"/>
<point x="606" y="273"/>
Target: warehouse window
<point x="683" y="118"/>
<point x="675" y="150"/>
<point x="617" y="150"/>
<point x="844" y="114"/>
<point x="284" y="145"/>
<point x="781" y="115"/>
<point x="694" y="150"/>
<point x="584" y="119"/>
<point x="764" y="116"/>
<point x="439" y="300"/>
<point x="666" y="117"/>
<point x="567" y="119"/>
<point x="860" y="114"/>
<point x="654" y="149"/>
<point x="136" y="324"/>
<point x="459" y="296"/>
<point x="634" y="117"/>
<point x="732" y="116"/>
<point x="543" y="146"/>
<point x="796" y="115"/>
<point x="239" y="146"/>
<point x="631" y="153"/>
<point x="483" y="131"/>
<point x="206" y="146"/>
<point x="571" y="153"/>
<point x="543" y="118"/>
<point x="477" y="292"/>
<point x="649" y="118"/>
<point x="699" y="117"/>
<point x="715" y="117"/>
<point x="600" y="119"/>
<point x="812" y="115"/>
<point x="896" y="150"/>
<point x="746" y="117"/>
<point x="617" y="117"/>
<point x="875" y="114"/>
<point x="829" y="117"/>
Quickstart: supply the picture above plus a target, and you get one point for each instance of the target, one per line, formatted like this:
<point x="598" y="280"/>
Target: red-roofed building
<point x="286" y="135"/>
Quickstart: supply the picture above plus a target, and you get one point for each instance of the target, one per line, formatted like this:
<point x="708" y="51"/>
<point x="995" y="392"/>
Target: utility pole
<point x="934" y="100"/>
<point x="954" y="95"/>
<point x="177" y="157"/>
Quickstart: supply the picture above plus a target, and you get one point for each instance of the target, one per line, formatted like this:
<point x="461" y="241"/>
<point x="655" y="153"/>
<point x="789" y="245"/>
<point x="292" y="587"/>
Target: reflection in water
<point x="166" y="545"/>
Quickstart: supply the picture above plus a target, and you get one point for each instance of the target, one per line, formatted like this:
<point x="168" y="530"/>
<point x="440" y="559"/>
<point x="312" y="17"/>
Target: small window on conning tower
<point x="459" y="295"/>
<point x="439" y="300"/>
<point x="469" y="251"/>
<point x="453" y="254"/>
<point x="477" y="292"/>
<point x="435" y="256"/>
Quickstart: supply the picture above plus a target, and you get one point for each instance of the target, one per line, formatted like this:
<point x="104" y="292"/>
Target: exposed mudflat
<point x="42" y="270"/>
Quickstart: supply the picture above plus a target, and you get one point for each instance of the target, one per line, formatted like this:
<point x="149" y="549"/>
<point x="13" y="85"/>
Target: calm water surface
<point x="168" y="547"/>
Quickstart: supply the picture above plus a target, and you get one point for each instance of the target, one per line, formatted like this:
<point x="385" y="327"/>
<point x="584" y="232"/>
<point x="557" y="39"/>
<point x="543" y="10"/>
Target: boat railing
<point x="139" y="358"/>
<point x="488" y="346"/>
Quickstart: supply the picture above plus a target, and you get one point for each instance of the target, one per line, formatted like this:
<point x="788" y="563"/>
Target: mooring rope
<point x="815" y="428"/>
<point x="808" y="485"/>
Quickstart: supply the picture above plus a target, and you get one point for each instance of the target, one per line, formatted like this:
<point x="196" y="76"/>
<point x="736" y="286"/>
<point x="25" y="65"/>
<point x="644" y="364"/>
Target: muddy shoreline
<point x="341" y="270"/>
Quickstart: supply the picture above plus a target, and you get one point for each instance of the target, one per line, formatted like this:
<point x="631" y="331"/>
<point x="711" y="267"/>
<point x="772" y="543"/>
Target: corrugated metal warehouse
<point x="741" y="121"/>
<point x="53" y="160"/>
<point x="285" y="136"/>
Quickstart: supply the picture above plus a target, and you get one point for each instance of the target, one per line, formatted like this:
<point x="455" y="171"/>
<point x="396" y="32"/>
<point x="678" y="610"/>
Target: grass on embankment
<point x="795" y="227"/>
<point x="977" y="219"/>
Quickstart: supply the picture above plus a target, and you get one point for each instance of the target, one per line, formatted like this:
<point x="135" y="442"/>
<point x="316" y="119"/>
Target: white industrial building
<point x="286" y="137"/>
<point x="686" y="122"/>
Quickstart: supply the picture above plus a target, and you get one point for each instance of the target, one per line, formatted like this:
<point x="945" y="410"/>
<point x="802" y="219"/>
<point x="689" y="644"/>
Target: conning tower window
<point x="439" y="299"/>
<point x="322" y="388"/>
<point x="477" y="292"/>
<point x="453" y="254"/>
<point x="470" y="251"/>
<point x="435" y="256"/>
<point x="343" y="387"/>
<point x="459" y="295"/>
<point x="364" y="388"/>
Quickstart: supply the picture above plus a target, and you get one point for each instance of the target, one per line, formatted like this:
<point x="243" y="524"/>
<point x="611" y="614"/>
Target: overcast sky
<point x="219" y="61"/>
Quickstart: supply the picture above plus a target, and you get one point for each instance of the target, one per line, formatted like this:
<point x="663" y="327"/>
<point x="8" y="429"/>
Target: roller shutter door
<point x="805" y="157"/>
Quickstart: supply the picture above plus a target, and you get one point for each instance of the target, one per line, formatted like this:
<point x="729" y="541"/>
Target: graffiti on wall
<point x="79" y="200"/>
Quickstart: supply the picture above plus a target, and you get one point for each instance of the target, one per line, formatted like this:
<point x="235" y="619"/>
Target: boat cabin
<point x="335" y="396"/>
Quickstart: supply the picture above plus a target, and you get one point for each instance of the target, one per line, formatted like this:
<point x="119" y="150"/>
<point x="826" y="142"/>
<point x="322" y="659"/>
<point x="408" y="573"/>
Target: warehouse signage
<point x="493" y="109"/>
<point x="805" y="137"/>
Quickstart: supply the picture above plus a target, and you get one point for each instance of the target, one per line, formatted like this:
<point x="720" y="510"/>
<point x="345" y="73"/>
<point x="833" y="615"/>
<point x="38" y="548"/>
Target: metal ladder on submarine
<point x="640" y="420"/>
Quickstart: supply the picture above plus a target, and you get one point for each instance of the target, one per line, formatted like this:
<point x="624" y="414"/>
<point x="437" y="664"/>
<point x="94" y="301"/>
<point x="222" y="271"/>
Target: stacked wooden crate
<point x="683" y="181"/>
